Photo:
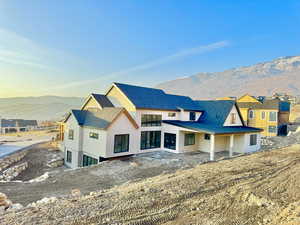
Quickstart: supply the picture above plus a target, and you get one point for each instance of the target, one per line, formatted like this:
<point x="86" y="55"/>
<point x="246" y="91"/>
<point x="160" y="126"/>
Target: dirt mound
<point x="258" y="189"/>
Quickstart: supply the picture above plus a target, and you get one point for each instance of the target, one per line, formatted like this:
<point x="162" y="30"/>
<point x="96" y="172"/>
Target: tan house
<point x="269" y="114"/>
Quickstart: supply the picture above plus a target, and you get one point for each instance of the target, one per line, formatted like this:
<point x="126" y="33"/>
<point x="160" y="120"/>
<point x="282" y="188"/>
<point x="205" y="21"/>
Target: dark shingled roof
<point x="151" y="98"/>
<point x="211" y="128"/>
<point x="264" y="104"/>
<point x="213" y="118"/>
<point x="215" y="111"/>
<point x="102" y="100"/>
<point x="96" y="119"/>
<point x="17" y="123"/>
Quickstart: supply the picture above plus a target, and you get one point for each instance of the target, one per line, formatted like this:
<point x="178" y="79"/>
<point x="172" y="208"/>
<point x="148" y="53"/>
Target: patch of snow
<point x="45" y="176"/>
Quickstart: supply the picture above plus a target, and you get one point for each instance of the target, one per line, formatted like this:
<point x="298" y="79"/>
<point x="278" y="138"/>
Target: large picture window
<point x="151" y="120"/>
<point x="121" y="143"/>
<point x="170" y="141"/>
<point x="87" y="160"/>
<point x="189" y="139"/>
<point x="253" y="139"/>
<point x="150" y="139"/>
<point x="273" y="116"/>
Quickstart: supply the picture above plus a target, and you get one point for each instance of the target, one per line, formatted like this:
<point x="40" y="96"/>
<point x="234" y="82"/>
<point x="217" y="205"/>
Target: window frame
<point x="253" y="141"/>
<point x="171" y="114"/>
<point x="151" y="120"/>
<point x="275" y="129"/>
<point x="192" y="116"/>
<point x="71" y="134"/>
<point x="233" y="118"/>
<point x="94" y="135"/>
<point x="207" y="136"/>
<point x="88" y="160"/>
<point x="169" y="146"/>
<point x="263" y="115"/>
<point x="251" y="111"/>
<point x="189" y="139"/>
<point x="150" y="140"/>
<point x="275" y="113"/>
<point x="69" y="157"/>
<point x="116" y="137"/>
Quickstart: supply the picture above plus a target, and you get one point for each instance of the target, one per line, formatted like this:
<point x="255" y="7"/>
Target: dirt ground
<point x="258" y="189"/>
<point x="99" y="177"/>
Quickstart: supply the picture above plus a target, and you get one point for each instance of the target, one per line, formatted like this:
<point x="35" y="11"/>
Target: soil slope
<point x="262" y="188"/>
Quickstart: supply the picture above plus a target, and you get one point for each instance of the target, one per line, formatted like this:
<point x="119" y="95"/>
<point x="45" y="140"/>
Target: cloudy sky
<point x="72" y="48"/>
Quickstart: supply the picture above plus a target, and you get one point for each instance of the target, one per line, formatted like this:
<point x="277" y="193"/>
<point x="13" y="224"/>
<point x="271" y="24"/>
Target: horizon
<point x="85" y="46"/>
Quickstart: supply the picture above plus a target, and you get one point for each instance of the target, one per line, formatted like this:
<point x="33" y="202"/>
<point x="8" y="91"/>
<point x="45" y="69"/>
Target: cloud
<point x="163" y="60"/>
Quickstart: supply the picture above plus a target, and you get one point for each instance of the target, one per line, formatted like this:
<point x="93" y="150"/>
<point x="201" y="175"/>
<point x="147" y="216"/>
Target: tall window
<point x="263" y="115"/>
<point x="151" y="120"/>
<point x="233" y="118"/>
<point x="94" y="135"/>
<point x="150" y="139"/>
<point x="170" y="141"/>
<point x="251" y="114"/>
<point x="71" y="134"/>
<point x="69" y="156"/>
<point x="273" y="116"/>
<point x="87" y="160"/>
<point x="189" y="139"/>
<point x="272" y="129"/>
<point x="192" y="116"/>
<point x="253" y="139"/>
<point x="121" y="143"/>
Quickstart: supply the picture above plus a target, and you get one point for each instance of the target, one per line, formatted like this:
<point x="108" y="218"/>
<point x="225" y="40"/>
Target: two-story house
<point x="129" y="120"/>
<point x="269" y="114"/>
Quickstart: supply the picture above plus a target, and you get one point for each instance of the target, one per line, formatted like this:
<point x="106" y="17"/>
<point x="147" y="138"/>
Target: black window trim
<point x="115" y="144"/>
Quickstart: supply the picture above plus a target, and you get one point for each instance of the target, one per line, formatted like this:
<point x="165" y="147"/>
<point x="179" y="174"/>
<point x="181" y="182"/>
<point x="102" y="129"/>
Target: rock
<point x="75" y="192"/>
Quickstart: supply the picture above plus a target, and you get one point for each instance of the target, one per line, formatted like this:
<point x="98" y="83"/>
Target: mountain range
<point x="279" y="75"/>
<point x="39" y="108"/>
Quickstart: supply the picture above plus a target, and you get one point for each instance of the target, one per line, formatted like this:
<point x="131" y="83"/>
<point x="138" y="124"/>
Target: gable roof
<point x="152" y="98"/>
<point x="102" y="100"/>
<point x="215" y="111"/>
<point x="212" y="128"/>
<point x="263" y="104"/>
<point x="99" y="119"/>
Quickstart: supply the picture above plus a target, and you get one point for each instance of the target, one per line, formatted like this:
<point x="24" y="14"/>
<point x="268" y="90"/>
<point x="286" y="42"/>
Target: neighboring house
<point x="130" y="120"/>
<point x="269" y="114"/>
<point x="17" y="125"/>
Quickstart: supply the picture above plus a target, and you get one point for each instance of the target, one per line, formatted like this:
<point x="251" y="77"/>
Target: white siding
<point x="122" y="126"/>
<point x="94" y="147"/>
<point x="238" y="118"/>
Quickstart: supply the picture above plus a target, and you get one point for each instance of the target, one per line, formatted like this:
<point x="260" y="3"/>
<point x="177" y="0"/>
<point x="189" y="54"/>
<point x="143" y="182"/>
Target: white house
<point x="130" y="120"/>
<point x="17" y="125"/>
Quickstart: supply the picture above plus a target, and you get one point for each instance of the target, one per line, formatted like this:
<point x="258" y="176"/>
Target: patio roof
<point x="212" y="128"/>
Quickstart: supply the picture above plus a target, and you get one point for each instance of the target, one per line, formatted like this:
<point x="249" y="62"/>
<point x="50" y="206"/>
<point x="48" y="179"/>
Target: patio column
<point x="212" y="147"/>
<point x="231" y="145"/>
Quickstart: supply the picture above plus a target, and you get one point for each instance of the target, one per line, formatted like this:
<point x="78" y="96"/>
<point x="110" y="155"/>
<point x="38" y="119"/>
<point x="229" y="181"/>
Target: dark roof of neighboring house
<point x="17" y="123"/>
<point x="264" y="104"/>
<point x="151" y="98"/>
<point x="215" y="111"/>
<point x="102" y="100"/>
<point x="211" y="128"/>
<point x="284" y="106"/>
<point x="96" y="119"/>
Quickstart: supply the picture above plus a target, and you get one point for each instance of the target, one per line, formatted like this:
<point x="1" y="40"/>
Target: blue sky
<point x="74" y="47"/>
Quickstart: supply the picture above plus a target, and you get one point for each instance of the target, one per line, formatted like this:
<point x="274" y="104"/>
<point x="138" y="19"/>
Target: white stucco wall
<point x="94" y="147"/>
<point x="122" y="126"/>
<point x="238" y="118"/>
<point x="72" y="145"/>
